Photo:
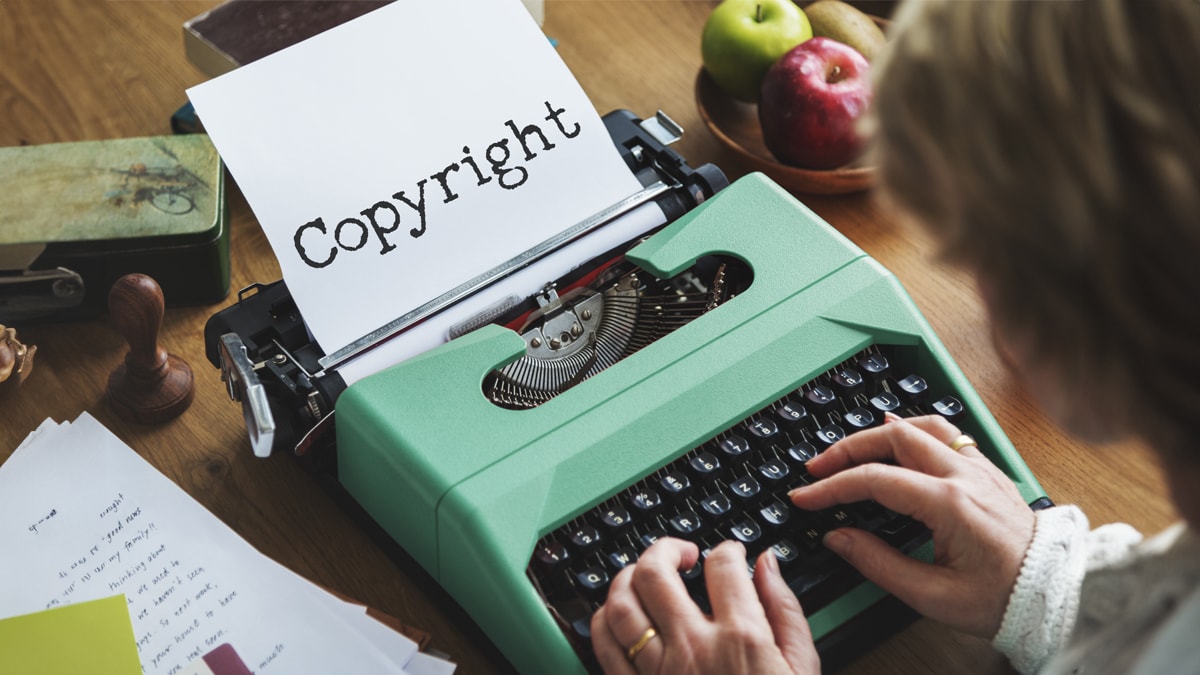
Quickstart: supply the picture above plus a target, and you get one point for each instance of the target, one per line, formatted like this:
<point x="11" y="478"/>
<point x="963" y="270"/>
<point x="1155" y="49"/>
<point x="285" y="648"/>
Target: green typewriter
<point x="676" y="390"/>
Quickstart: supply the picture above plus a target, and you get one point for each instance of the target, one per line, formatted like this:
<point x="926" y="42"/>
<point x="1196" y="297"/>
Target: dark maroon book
<point x="240" y="31"/>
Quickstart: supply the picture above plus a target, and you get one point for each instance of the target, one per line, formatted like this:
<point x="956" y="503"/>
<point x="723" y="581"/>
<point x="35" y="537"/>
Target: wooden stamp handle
<point x="150" y="386"/>
<point x="136" y="305"/>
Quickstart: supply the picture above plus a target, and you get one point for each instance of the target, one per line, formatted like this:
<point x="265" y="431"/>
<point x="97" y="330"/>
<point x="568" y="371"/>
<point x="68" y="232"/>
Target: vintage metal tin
<point x="75" y="217"/>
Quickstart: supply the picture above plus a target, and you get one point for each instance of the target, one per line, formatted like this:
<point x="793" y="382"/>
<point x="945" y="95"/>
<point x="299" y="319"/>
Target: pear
<point x="847" y="24"/>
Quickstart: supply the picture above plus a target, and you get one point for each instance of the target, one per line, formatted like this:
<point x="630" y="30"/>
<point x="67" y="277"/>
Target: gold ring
<point x="963" y="441"/>
<point x="649" y="635"/>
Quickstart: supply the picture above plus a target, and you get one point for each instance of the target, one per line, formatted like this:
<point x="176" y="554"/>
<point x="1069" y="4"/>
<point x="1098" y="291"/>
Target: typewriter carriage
<point x="288" y="396"/>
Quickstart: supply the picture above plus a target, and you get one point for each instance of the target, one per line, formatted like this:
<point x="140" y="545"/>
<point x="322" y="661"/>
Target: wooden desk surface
<point x="74" y="70"/>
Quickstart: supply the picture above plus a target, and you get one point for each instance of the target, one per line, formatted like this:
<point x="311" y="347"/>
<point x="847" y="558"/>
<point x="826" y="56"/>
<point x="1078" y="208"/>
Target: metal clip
<point x="662" y="128"/>
<point x="242" y="383"/>
<point x="35" y="293"/>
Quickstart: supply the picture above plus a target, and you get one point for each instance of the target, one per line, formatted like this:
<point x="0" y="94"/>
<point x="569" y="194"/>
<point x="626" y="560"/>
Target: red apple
<point x="811" y="98"/>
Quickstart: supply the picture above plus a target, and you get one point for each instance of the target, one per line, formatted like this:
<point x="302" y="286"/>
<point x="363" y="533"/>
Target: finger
<point x="659" y="587"/>
<point x="921" y="585"/>
<point x="623" y="610"/>
<point x="609" y="651"/>
<point x="902" y="490"/>
<point x="934" y="425"/>
<point x="730" y="589"/>
<point x="901" y="441"/>
<point x="627" y="621"/>
<point x="941" y="428"/>
<point x="784" y="614"/>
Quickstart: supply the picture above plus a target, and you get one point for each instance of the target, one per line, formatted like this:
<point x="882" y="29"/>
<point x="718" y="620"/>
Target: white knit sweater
<point x="1104" y="601"/>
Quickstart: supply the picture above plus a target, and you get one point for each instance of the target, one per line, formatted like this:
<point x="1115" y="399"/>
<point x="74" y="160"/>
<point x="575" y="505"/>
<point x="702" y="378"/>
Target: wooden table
<point x="73" y="70"/>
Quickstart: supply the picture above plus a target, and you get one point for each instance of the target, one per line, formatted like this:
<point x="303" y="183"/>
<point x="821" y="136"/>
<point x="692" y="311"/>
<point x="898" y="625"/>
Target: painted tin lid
<point x="124" y="188"/>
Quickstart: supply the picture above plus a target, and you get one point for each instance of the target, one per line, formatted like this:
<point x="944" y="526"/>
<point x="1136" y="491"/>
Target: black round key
<point x="583" y="628"/>
<point x="801" y="452"/>
<point x="885" y="401"/>
<point x="704" y="465"/>
<point x="949" y="407"/>
<point x="645" y="500"/>
<point x="746" y="530"/>
<point x="762" y="428"/>
<point x="615" y="517"/>
<point x="775" y="513"/>
<point x="745" y="487"/>
<point x="585" y="536"/>
<point x="551" y="554"/>
<point x="785" y="551"/>
<point x="820" y="397"/>
<point x="734" y="445"/>
<point x="830" y="434"/>
<point x="810" y="536"/>
<point x="622" y="557"/>
<point x="839" y="516"/>
<point x="913" y="388"/>
<point x="874" y="367"/>
<point x="686" y="523"/>
<point x="859" y="418"/>
<point x="848" y="382"/>
<point x="773" y="470"/>
<point x="593" y="579"/>
<point x="675" y="484"/>
<point x="716" y="504"/>
<point x="790" y="414"/>
<point x="652" y="536"/>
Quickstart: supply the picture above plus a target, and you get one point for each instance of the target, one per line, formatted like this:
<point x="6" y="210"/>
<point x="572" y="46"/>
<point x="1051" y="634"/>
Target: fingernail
<point x="731" y="543"/>
<point x="771" y="563"/>
<point x="836" y="541"/>
<point x="890" y="417"/>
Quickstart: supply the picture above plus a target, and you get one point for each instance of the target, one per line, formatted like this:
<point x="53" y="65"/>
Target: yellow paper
<point x="87" y="637"/>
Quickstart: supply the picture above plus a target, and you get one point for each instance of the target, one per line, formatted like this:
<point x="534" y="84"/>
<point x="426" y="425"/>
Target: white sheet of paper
<point x="399" y="155"/>
<point x="86" y="517"/>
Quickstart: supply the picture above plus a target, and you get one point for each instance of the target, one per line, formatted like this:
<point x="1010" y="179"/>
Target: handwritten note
<point x="85" y="517"/>
<point x="399" y="155"/>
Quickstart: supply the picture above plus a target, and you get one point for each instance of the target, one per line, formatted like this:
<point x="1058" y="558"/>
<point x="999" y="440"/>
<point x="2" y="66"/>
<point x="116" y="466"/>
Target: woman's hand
<point x="981" y="526"/>
<point x="756" y="625"/>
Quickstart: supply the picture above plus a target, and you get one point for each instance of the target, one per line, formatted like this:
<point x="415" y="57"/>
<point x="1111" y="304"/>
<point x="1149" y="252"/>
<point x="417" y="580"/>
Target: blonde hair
<point x="1054" y="149"/>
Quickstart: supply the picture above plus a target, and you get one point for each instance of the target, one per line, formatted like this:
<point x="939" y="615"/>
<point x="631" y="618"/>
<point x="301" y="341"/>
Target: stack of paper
<point x="86" y="518"/>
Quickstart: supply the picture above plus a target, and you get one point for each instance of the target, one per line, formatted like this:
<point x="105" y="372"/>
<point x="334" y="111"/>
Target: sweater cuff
<point x="1045" y="600"/>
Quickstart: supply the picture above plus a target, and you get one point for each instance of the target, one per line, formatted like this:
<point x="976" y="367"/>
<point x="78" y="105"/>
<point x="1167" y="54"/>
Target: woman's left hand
<point x="756" y="625"/>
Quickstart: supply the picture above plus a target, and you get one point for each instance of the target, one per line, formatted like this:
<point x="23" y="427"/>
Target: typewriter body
<point x="673" y="387"/>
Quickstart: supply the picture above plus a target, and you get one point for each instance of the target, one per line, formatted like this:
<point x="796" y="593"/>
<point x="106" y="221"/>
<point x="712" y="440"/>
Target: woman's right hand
<point x="981" y="526"/>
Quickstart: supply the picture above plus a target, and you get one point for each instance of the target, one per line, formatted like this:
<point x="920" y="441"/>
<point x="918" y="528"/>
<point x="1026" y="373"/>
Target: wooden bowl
<point x="735" y="124"/>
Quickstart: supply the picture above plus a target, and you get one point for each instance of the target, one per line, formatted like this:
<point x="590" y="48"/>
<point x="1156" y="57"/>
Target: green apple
<point x="743" y="38"/>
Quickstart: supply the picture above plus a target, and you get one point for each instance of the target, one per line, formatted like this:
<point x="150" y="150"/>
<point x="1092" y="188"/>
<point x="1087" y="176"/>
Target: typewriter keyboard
<point x="734" y="486"/>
